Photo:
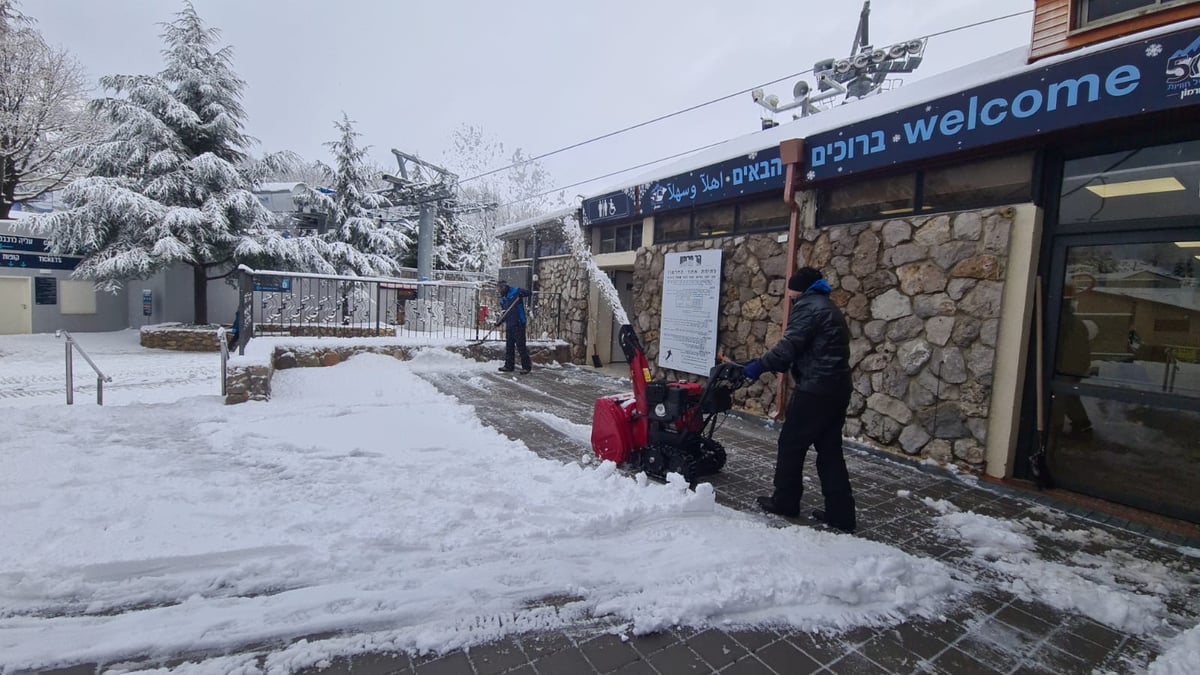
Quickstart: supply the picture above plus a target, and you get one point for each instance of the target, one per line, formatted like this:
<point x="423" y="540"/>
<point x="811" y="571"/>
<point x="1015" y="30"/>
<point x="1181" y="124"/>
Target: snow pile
<point x="1116" y="588"/>
<point x="1182" y="656"/>
<point x="360" y="499"/>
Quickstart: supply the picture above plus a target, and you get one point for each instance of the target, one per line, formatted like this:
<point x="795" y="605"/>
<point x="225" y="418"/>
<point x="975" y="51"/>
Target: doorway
<point x="623" y="282"/>
<point x="1122" y="344"/>
<point x="16" y="312"/>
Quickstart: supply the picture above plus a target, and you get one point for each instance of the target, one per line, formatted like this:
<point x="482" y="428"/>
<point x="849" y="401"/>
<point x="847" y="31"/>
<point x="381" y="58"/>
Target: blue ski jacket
<point x="517" y="316"/>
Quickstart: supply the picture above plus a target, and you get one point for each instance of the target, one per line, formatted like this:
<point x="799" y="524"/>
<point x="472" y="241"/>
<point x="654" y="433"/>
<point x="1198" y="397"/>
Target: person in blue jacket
<point x="815" y="349"/>
<point x="512" y="306"/>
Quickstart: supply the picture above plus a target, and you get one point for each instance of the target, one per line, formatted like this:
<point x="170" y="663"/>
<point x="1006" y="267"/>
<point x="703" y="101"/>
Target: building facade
<point x="1014" y="245"/>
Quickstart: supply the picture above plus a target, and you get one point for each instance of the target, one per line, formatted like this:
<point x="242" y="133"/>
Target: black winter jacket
<point x="815" y="347"/>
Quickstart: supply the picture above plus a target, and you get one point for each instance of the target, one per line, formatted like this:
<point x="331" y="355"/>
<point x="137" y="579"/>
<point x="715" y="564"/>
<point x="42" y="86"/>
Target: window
<point x="973" y="185"/>
<point x="1093" y="11"/>
<point x="718" y="221"/>
<point x="714" y="222"/>
<point x="1155" y="182"/>
<point x="1005" y="180"/>
<point x="619" y="238"/>
<point x="550" y="243"/>
<point x="77" y="297"/>
<point x="673" y="226"/>
<point x="763" y="214"/>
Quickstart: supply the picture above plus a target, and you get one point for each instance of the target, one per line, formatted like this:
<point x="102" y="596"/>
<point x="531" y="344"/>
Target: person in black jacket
<point x="512" y="301"/>
<point x="815" y="349"/>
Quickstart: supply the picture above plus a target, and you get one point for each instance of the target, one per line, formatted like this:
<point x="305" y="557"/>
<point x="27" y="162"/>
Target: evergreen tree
<point x="356" y="241"/>
<point x="171" y="184"/>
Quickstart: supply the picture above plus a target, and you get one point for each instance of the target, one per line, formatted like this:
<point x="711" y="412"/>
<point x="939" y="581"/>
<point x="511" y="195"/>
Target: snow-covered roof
<point x="1184" y="298"/>
<point x="18" y="215"/>
<point x="531" y="224"/>
<point x="279" y="187"/>
<point x="990" y="69"/>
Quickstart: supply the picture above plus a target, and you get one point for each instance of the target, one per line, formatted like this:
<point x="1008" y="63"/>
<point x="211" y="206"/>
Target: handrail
<point x="223" y="343"/>
<point x="101" y="378"/>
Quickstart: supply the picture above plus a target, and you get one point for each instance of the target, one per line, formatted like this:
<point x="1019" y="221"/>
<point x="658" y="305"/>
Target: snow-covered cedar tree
<point x="170" y="183"/>
<point x="356" y="240"/>
<point x="489" y="199"/>
<point x="42" y="112"/>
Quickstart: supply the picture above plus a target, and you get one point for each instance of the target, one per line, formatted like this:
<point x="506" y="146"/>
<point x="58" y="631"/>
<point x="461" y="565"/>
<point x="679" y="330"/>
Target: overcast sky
<point x="535" y="74"/>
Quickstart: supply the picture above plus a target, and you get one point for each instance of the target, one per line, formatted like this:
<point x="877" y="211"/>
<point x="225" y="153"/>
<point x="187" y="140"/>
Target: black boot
<point x="768" y="504"/>
<point x="820" y="516"/>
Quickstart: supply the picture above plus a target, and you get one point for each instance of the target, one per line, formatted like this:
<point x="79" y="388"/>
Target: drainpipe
<point x="791" y="153"/>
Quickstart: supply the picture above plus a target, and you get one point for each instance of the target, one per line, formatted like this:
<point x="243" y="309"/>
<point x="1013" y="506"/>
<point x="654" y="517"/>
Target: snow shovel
<point x="1037" y="461"/>
<point x="495" y="325"/>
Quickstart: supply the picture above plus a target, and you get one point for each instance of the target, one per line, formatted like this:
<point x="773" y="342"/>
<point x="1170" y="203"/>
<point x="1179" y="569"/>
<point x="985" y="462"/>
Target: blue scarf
<point x="820" y="286"/>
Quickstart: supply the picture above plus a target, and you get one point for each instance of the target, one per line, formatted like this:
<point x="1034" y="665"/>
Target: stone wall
<point x="565" y="278"/>
<point x="181" y="338"/>
<point x="753" y="282"/>
<point x="921" y="296"/>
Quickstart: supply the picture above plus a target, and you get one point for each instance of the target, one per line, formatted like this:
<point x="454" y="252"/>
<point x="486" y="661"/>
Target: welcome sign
<point x="1153" y="74"/>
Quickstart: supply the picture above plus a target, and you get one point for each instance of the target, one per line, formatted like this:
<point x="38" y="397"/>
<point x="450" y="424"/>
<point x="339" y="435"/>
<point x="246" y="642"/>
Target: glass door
<point x="1123" y="364"/>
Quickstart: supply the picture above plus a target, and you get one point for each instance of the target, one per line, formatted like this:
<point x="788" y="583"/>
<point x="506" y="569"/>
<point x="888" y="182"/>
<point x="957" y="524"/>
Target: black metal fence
<point x="315" y="305"/>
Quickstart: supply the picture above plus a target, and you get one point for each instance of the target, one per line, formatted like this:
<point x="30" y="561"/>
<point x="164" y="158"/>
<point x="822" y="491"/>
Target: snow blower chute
<point x="662" y="426"/>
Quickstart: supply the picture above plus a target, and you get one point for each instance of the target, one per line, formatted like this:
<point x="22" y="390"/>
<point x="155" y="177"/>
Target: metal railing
<point x="101" y="378"/>
<point x="223" y="342"/>
<point x="318" y="305"/>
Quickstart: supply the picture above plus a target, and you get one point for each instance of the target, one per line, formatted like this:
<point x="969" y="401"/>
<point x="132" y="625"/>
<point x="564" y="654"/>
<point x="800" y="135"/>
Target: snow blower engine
<point x="662" y="426"/>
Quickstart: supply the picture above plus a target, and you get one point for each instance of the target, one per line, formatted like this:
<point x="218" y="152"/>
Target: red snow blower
<point x="662" y="426"/>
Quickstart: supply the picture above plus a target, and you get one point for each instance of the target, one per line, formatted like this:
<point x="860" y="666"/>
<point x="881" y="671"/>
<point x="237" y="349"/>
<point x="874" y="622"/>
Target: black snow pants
<point x="815" y="420"/>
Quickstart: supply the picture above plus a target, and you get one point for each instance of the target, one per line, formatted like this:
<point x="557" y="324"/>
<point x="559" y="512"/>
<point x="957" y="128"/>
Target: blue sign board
<point x="273" y="284"/>
<point x="12" y="242"/>
<point x="1145" y="76"/>
<point x="608" y="207"/>
<point x="42" y="261"/>
<point x="757" y="172"/>
<point x="147" y="302"/>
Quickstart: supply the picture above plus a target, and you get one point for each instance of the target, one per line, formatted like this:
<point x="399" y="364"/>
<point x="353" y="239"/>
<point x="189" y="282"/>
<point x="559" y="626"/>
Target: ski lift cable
<point x="708" y="103"/>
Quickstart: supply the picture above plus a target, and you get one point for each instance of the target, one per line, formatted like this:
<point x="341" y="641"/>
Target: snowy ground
<point x="32" y="371"/>
<point x="362" y="500"/>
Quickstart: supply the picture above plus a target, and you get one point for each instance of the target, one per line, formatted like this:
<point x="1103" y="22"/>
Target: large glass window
<point x="972" y="185"/>
<point x="1004" y="180"/>
<point x="1092" y="11"/>
<point x="1155" y="182"/>
<point x="618" y="238"/>
<point x="715" y="221"/>
<point x="764" y="214"/>
<point x="1131" y="316"/>
<point x="869" y="199"/>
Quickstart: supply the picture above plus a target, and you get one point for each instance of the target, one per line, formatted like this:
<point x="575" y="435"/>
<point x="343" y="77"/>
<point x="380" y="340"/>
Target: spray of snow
<point x="579" y="248"/>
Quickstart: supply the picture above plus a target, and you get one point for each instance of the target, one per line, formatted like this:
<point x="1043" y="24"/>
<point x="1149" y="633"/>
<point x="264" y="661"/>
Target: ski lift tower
<point x="864" y="73"/>
<point x="416" y="190"/>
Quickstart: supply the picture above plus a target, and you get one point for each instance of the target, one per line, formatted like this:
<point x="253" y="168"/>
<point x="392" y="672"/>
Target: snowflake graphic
<point x="896" y="138"/>
<point x="810" y="175"/>
<point x="1153" y="50"/>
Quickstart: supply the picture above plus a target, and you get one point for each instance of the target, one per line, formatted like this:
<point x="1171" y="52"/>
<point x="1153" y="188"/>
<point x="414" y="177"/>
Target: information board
<point x="691" y="298"/>
<point x="45" y="290"/>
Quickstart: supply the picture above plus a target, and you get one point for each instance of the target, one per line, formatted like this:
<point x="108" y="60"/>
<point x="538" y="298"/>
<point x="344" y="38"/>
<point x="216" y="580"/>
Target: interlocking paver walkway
<point x="991" y="631"/>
